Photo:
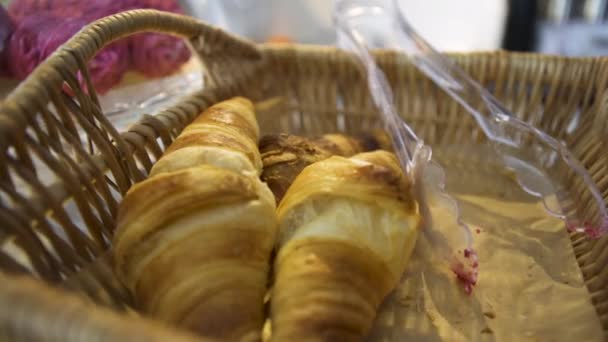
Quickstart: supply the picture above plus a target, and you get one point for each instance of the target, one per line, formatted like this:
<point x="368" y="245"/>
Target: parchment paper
<point x="530" y="287"/>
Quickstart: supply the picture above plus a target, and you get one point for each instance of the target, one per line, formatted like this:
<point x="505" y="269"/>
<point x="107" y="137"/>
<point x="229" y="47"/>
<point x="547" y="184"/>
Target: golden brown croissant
<point x="284" y="156"/>
<point x="194" y="240"/>
<point x="225" y="135"/>
<point x="347" y="227"/>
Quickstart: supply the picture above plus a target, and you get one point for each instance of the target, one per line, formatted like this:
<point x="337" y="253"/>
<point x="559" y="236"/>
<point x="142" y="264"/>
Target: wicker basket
<point x="64" y="168"/>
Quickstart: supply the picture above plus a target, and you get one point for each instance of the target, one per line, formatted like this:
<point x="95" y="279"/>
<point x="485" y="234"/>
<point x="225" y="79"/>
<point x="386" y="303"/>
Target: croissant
<point x="347" y="227"/>
<point x="284" y="156"/>
<point x="225" y="135"/>
<point x="193" y="241"/>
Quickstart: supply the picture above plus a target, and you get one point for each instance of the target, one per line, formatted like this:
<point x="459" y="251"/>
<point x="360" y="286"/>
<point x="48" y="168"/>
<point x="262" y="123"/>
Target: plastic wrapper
<point x="106" y="68"/>
<point x="43" y="25"/>
<point x="162" y="5"/>
<point x="157" y="55"/>
<point x="27" y="42"/>
<point x="37" y="37"/>
<point x="6" y="28"/>
<point x="154" y="54"/>
<point x="21" y="9"/>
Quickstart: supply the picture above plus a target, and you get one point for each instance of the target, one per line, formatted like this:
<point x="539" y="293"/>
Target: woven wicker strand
<point x="58" y="230"/>
<point x="31" y="304"/>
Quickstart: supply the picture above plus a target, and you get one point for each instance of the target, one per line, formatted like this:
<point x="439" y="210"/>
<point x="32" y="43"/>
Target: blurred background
<point x="148" y="70"/>
<point x="449" y="25"/>
<point x="564" y="27"/>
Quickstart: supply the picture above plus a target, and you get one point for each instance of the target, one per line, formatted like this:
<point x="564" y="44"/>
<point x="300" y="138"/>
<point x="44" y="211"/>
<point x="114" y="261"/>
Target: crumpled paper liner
<point x="530" y="287"/>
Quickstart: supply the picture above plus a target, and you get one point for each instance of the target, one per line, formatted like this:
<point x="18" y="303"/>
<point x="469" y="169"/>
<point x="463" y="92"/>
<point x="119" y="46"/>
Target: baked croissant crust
<point x="193" y="241"/>
<point x="347" y="227"/>
<point x="225" y="135"/>
<point x="284" y="155"/>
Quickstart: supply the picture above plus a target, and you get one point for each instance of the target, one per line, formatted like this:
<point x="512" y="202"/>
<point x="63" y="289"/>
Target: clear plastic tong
<point x="543" y="166"/>
<point x="450" y="236"/>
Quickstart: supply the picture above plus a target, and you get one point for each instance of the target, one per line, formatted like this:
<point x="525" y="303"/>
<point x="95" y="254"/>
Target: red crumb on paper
<point x="467" y="276"/>
<point x="592" y="231"/>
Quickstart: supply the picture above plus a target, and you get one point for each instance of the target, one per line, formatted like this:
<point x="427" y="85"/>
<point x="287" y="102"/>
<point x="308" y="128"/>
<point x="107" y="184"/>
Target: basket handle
<point x="100" y="33"/>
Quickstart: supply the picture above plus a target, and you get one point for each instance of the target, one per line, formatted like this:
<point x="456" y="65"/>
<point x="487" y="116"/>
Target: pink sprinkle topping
<point x="467" y="276"/>
<point x="592" y="231"/>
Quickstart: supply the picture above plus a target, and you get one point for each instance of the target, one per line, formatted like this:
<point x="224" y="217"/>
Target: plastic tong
<point x="450" y="236"/>
<point x="540" y="162"/>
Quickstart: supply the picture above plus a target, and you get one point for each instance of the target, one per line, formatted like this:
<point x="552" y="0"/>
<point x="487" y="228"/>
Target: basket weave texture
<point x="64" y="167"/>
